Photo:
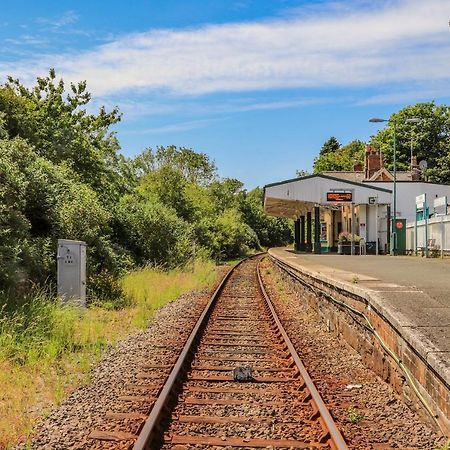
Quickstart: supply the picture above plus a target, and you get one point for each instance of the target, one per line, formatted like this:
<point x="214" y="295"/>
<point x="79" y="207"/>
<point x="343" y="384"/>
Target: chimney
<point x="373" y="162"/>
<point x="416" y="173"/>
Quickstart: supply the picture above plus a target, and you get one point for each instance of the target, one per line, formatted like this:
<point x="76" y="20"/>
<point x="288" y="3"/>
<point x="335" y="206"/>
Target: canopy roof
<point x="294" y="197"/>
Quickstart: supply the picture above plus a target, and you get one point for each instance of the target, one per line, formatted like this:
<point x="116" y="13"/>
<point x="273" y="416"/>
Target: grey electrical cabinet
<point x="72" y="271"/>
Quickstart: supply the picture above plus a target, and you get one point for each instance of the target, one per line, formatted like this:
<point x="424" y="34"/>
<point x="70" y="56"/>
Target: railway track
<point x="237" y="383"/>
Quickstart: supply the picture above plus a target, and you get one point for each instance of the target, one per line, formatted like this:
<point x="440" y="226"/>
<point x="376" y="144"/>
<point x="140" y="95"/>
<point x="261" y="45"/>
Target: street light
<point x="393" y="247"/>
<point x="412" y="120"/>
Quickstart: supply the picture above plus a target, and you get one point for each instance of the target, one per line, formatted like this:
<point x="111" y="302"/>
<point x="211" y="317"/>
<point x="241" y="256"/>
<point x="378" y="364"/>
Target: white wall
<point x="314" y="190"/>
<point x="407" y="193"/>
<point x="438" y="233"/>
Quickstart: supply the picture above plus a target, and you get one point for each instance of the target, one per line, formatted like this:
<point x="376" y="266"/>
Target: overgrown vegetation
<point x="445" y="446"/>
<point x="145" y="220"/>
<point x="63" y="176"/>
<point x="46" y="349"/>
<point x="354" y="415"/>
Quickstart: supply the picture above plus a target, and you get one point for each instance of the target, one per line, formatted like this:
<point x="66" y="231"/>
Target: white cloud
<point x="405" y="96"/>
<point x="27" y="39"/>
<point x="68" y="18"/>
<point x="173" y="127"/>
<point x="396" y="41"/>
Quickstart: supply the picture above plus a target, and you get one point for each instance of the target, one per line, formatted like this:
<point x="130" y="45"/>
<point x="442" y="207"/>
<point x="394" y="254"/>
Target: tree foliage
<point x="331" y="145"/>
<point x="14" y="226"/>
<point x="340" y="158"/>
<point x="430" y="139"/>
<point x="61" y="130"/>
<point x="62" y="176"/>
<point x="426" y="136"/>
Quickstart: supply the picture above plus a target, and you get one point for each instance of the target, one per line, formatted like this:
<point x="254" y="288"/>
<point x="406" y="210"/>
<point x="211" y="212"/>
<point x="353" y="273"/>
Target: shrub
<point x="233" y="237"/>
<point x="105" y="289"/>
<point x="153" y="233"/>
<point x="14" y="226"/>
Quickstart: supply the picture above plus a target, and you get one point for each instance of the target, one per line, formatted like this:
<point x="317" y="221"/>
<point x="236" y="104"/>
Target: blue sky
<point x="257" y="85"/>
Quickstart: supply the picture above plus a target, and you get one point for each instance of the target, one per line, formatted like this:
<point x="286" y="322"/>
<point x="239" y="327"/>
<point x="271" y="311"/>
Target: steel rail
<point x="335" y="435"/>
<point x="150" y="432"/>
<point x="368" y="326"/>
<point x="147" y="433"/>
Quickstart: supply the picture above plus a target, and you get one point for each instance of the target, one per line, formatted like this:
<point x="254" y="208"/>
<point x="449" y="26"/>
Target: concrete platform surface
<point x="412" y="293"/>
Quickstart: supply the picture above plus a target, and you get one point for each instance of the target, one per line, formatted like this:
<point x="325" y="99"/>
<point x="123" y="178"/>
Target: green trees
<point x="430" y="139"/>
<point x="224" y="220"/>
<point x="152" y="232"/>
<point x="14" y="226"/>
<point x="334" y="157"/>
<point x="59" y="128"/>
<point x="331" y="145"/>
<point x="271" y="231"/>
<point x="62" y="176"/>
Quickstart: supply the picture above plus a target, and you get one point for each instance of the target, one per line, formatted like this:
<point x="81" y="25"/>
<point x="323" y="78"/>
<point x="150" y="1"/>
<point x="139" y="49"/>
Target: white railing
<point x="433" y="236"/>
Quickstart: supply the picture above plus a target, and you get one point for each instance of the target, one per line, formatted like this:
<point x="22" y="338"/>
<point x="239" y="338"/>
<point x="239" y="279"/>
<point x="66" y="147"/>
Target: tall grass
<point x="47" y="348"/>
<point x="151" y="288"/>
<point x="37" y="330"/>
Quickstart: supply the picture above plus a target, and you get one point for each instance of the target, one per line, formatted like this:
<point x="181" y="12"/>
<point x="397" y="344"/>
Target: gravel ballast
<point x="367" y="410"/>
<point x="118" y="374"/>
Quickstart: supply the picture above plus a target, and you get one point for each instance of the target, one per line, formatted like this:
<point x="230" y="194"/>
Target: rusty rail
<point x="153" y="421"/>
<point x="239" y="326"/>
<point x="151" y="431"/>
<point x="325" y="416"/>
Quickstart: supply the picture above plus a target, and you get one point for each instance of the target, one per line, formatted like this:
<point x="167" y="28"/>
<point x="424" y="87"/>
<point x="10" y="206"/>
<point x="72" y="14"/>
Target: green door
<point x="400" y="230"/>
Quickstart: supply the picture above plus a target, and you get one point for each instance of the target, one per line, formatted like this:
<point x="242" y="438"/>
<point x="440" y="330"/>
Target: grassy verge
<point x="46" y="349"/>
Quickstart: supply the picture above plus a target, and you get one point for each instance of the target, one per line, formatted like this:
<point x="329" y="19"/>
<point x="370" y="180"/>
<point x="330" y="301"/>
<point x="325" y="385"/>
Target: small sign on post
<point x="421" y="198"/>
<point x="440" y="209"/>
<point x="440" y="206"/>
<point x="422" y="209"/>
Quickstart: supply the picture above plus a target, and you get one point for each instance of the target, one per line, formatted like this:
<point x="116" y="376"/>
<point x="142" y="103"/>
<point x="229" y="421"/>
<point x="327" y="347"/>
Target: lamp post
<point x="393" y="247"/>
<point x="412" y="120"/>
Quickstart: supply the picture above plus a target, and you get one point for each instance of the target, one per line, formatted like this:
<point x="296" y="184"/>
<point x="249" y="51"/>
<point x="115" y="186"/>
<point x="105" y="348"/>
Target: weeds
<point x="445" y="446"/>
<point x="47" y="348"/>
<point x="355" y="416"/>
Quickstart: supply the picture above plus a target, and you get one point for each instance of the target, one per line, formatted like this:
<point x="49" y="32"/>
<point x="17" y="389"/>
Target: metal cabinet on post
<point x="72" y="271"/>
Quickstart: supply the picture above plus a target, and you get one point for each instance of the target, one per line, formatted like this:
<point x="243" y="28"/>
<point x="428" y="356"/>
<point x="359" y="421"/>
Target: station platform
<point x="412" y="294"/>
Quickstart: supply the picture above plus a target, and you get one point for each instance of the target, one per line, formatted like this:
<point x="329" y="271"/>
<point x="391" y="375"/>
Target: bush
<point x="233" y="237"/>
<point x="152" y="233"/>
<point x="105" y="289"/>
<point x="14" y="226"/>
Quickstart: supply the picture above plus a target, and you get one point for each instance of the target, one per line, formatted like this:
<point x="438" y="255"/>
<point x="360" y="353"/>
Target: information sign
<point x="440" y="205"/>
<point x="421" y="198"/>
<point x="440" y="201"/>
<point x="339" y="196"/>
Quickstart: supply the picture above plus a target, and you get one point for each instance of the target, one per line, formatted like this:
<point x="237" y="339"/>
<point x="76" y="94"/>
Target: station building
<point x="359" y="202"/>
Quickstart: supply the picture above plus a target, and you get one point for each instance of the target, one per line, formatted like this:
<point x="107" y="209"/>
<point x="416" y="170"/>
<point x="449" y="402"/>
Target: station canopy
<point x="295" y="197"/>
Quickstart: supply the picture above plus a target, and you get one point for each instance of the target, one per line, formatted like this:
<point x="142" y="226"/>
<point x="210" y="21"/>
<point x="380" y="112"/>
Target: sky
<point x="258" y="85"/>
